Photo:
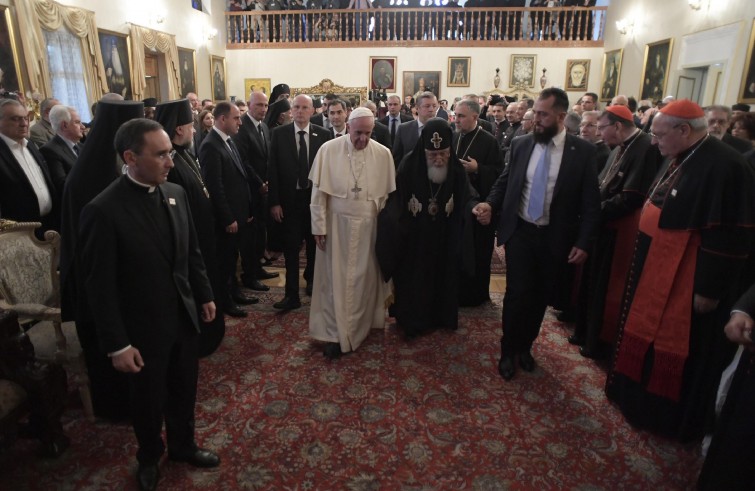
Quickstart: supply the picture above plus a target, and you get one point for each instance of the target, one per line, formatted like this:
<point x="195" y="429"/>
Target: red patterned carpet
<point x="431" y="414"/>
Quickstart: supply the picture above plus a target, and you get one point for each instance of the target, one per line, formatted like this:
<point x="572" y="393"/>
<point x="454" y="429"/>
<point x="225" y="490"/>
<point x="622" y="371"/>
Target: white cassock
<point x="349" y="292"/>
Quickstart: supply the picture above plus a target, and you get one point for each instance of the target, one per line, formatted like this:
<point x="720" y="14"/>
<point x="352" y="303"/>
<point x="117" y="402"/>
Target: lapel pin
<point x="314" y="134"/>
<point x="172" y="201"/>
<point x="673" y="193"/>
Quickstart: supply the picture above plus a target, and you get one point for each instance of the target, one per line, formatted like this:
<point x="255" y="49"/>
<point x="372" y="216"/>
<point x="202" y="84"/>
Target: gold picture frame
<point x="256" y="85"/>
<point x="11" y="81"/>
<point x="187" y="68"/>
<point x="523" y="71"/>
<point x="355" y="95"/>
<point x="577" y="75"/>
<point x="609" y="81"/>
<point x="218" y="78"/>
<point x="655" y="69"/>
<point x="114" y="44"/>
<point x="459" y="68"/>
<point x="421" y="81"/>
<point x="747" y="89"/>
<point x="383" y="72"/>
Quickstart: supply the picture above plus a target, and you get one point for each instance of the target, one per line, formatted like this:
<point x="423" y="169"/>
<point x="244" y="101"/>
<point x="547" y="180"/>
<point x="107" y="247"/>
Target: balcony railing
<point x="573" y="26"/>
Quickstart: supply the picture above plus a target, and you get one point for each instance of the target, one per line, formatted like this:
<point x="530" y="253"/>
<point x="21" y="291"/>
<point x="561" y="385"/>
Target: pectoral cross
<point x="356" y="190"/>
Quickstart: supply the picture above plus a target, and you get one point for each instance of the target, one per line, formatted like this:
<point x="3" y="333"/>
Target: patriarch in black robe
<point x="424" y="233"/>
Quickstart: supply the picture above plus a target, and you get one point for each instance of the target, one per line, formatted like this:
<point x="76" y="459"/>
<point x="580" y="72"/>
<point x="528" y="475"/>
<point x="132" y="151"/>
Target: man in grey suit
<point x="408" y="133"/>
<point x="62" y="151"/>
<point x="549" y="206"/>
<point x="42" y="131"/>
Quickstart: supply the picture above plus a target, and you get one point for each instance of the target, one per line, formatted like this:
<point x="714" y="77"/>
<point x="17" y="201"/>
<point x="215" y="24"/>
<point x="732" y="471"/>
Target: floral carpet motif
<point x="429" y="414"/>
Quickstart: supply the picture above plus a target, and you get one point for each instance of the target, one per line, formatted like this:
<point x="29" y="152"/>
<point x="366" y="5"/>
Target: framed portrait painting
<point x="217" y="77"/>
<point x="416" y="82"/>
<point x="458" y="71"/>
<point x="383" y="73"/>
<point x="747" y="91"/>
<point x="188" y="69"/>
<point x="609" y="82"/>
<point x="256" y="85"/>
<point x="577" y="75"/>
<point x="10" y="69"/>
<point x="655" y="70"/>
<point x="116" y="55"/>
<point x="522" y="71"/>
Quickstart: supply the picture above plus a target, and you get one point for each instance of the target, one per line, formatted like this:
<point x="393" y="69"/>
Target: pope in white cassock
<point x="351" y="178"/>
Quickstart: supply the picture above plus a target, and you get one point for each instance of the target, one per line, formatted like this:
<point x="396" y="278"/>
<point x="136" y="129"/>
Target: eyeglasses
<point x="662" y="136"/>
<point x="600" y="127"/>
<point x="588" y="125"/>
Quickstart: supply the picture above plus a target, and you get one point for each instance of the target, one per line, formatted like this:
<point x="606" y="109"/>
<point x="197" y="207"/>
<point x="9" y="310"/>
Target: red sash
<point x="661" y="311"/>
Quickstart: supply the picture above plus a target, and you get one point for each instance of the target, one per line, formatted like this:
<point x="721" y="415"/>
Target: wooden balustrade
<point x="573" y="26"/>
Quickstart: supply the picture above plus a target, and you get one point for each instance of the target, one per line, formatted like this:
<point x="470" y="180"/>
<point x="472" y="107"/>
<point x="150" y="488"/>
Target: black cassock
<point x="423" y="245"/>
<point x="482" y="146"/>
<point x="186" y="173"/>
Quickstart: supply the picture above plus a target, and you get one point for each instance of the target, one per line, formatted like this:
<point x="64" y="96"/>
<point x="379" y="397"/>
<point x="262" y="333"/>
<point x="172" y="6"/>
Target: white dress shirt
<point x="33" y="172"/>
<point x="556" y="154"/>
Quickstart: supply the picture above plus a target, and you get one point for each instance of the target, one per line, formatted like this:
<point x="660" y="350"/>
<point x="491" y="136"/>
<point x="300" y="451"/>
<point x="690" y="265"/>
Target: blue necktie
<point x="536" y="206"/>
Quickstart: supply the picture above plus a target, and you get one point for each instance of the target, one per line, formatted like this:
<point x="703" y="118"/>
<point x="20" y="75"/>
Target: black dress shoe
<point x="506" y="367"/>
<point x="566" y="316"/>
<point x="234" y="311"/>
<point x="332" y="351"/>
<point x="265" y="275"/>
<point x="287" y="303"/>
<point x="148" y="475"/>
<point x="256" y="285"/>
<point x="577" y="340"/>
<point x="244" y="300"/>
<point x="200" y="458"/>
<point x="592" y="353"/>
<point x="526" y="361"/>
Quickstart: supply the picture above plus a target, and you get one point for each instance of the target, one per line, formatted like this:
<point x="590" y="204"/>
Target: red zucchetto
<point x="621" y="112"/>
<point x="683" y="108"/>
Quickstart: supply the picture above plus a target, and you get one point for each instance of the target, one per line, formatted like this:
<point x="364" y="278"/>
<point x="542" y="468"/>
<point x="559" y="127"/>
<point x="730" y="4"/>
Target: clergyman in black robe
<point x="177" y="120"/>
<point x="422" y="241"/>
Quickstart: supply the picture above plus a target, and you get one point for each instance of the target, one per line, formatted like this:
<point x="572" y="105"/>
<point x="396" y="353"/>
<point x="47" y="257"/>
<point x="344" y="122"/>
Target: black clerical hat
<point x="495" y="99"/>
<point x="278" y="90"/>
<point x="509" y="99"/>
<point x="173" y="114"/>
<point x="741" y="107"/>
<point x="436" y="134"/>
<point x="149" y="102"/>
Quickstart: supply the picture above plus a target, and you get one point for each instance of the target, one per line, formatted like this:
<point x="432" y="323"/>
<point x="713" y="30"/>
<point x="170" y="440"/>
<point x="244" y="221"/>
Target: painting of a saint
<point x="115" y="56"/>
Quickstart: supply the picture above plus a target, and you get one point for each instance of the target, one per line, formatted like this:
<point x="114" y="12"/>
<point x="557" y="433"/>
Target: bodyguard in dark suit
<point x="253" y="142"/>
<point x="549" y="208"/>
<point x="321" y="119"/>
<point x="62" y="151"/>
<point x="293" y="149"/>
<point x="379" y="131"/>
<point x="408" y="133"/>
<point x="395" y="117"/>
<point x="226" y="179"/>
<point x="143" y="272"/>
<point x="27" y="193"/>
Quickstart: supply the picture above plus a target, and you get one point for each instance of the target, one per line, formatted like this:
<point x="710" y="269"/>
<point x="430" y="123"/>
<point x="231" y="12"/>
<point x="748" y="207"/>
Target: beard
<point x="546" y="134"/>
<point x="437" y="175"/>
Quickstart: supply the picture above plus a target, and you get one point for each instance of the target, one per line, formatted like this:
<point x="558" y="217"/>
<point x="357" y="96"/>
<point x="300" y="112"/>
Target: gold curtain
<point x="142" y="37"/>
<point x="35" y="15"/>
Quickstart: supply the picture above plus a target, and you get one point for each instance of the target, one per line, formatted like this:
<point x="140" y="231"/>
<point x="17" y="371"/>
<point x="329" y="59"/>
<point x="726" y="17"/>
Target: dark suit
<point x="18" y="201"/>
<point x="226" y="180"/>
<point x="402" y="118"/>
<point x="320" y="119"/>
<point x="406" y="138"/>
<point x="255" y="150"/>
<point x="283" y="173"/>
<point x="536" y="256"/>
<point x="442" y="114"/>
<point x="381" y="135"/>
<point x="738" y="144"/>
<point x="142" y="273"/>
<point x="60" y="160"/>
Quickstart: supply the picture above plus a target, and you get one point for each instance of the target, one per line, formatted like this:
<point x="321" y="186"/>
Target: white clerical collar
<point x="14" y="143"/>
<point x="140" y="184"/>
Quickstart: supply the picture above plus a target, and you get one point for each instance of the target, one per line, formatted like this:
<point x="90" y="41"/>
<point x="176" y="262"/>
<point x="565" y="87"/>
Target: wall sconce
<point x="210" y="33"/>
<point x="624" y="26"/>
<point x="695" y="4"/>
<point x="543" y="79"/>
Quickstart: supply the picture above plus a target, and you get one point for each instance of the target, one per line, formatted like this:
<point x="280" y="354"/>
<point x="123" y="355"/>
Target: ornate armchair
<point x="29" y="286"/>
<point x="29" y="387"/>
